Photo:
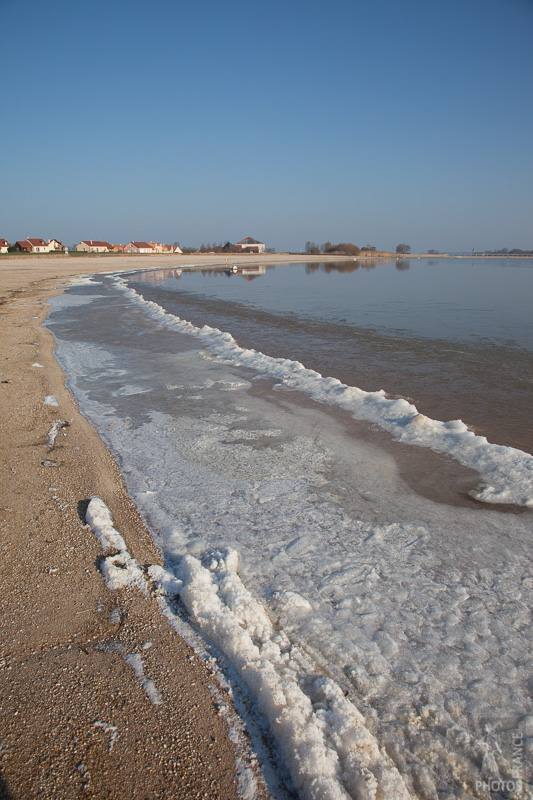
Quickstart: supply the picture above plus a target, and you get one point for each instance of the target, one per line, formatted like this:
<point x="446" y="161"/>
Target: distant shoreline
<point x="203" y="258"/>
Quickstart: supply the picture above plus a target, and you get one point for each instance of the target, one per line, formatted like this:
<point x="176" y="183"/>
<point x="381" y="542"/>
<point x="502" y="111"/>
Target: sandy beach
<point x="75" y="718"/>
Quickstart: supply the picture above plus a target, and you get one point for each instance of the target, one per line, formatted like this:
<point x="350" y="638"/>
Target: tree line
<point x="506" y="252"/>
<point x="212" y="247"/>
<point x="346" y="249"/>
<point x="343" y="248"/>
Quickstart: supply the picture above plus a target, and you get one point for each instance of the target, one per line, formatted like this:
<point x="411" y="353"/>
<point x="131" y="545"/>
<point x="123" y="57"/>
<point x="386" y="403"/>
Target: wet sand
<point x="74" y="718"/>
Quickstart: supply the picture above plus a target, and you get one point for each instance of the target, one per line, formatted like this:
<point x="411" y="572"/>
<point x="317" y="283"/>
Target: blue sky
<point x="372" y="121"/>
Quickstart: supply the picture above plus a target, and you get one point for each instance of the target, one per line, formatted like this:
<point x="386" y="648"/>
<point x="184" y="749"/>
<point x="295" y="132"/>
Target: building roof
<point x="4" y="243"/>
<point x="95" y="243"/>
<point x="23" y="245"/>
<point x="249" y="240"/>
<point x="36" y="242"/>
<point x="142" y="245"/>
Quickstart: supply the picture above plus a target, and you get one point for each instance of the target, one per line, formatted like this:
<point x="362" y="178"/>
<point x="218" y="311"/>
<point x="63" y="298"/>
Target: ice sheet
<point x="418" y="613"/>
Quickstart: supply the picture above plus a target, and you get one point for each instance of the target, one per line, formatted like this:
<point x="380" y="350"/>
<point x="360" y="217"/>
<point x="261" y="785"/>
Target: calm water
<point x="453" y="335"/>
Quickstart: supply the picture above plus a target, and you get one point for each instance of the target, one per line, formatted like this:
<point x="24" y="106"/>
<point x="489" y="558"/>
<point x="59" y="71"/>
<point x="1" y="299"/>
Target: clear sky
<point x="371" y="121"/>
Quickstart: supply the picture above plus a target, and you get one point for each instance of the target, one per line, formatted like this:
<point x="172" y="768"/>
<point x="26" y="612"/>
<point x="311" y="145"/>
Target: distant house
<point x="177" y="249"/>
<point x="249" y="245"/>
<point x="138" y="247"/>
<point x="23" y="247"/>
<point x="93" y="246"/>
<point x="38" y="245"/>
<point x="4" y="245"/>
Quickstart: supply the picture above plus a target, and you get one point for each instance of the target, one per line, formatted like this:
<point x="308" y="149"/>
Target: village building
<point x="139" y="247"/>
<point x="249" y="245"/>
<point x="37" y="246"/>
<point x="4" y="245"/>
<point x="93" y="246"/>
<point x="166" y="249"/>
<point x="55" y="246"/>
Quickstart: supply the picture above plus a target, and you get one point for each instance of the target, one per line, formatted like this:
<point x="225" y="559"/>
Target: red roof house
<point x="23" y="247"/>
<point x="138" y="247"/>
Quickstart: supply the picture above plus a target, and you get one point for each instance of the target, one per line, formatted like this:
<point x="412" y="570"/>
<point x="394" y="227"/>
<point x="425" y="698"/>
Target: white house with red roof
<point x="37" y="245"/>
<point x="41" y="246"/>
<point x="139" y="247"/>
<point x="93" y="246"/>
<point x="4" y="245"/>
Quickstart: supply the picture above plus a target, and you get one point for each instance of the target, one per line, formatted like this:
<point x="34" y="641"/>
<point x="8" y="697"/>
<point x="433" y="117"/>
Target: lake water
<point x="456" y="335"/>
<point x="359" y="559"/>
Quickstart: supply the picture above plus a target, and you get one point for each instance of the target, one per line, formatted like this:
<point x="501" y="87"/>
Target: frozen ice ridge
<point x="323" y="739"/>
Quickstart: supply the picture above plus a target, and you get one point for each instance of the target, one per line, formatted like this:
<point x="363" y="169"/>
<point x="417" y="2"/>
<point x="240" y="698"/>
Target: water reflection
<point x="247" y="271"/>
<point x="250" y="273"/>
<point x="158" y="275"/>
<point x="487" y="300"/>
<point x="350" y="265"/>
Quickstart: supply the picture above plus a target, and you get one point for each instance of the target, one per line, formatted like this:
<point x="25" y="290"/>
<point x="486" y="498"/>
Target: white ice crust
<point x="507" y="472"/>
<point x="327" y="747"/>
<point x="118" y="567"/>
<point x="323" y="738"/>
